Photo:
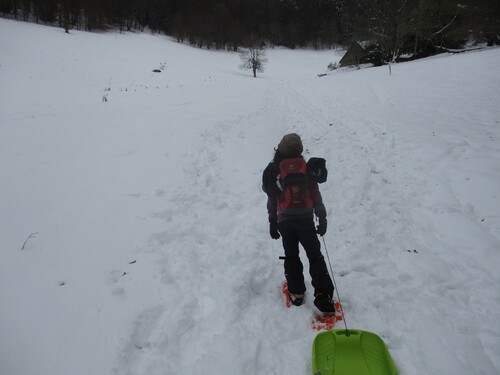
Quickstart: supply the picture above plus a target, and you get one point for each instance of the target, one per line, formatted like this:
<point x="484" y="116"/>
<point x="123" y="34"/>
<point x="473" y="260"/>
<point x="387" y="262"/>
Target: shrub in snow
<point x="253" y="58"/>
<point x="333" y="66"/>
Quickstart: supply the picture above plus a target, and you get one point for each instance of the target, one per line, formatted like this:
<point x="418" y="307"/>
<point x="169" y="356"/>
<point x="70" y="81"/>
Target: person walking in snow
<point x="293" y="201"/>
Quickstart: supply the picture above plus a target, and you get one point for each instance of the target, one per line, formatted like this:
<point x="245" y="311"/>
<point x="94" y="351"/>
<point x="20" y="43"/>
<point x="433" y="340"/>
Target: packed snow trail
<point x="153" y="254"/>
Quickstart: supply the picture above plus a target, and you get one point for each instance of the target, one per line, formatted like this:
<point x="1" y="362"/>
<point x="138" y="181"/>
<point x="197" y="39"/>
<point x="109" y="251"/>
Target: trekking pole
<point x="335" y="286"/>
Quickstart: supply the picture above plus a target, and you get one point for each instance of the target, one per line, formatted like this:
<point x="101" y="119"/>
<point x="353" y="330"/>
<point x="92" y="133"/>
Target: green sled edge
<point x="351" y="352"/>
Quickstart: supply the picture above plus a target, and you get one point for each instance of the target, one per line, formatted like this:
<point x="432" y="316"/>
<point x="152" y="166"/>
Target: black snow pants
<point x="303" y="231"/>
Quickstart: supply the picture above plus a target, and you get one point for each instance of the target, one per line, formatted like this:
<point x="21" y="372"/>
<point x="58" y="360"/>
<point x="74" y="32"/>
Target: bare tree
<point x="388" y="21"/>
<point x="253" y="58"/>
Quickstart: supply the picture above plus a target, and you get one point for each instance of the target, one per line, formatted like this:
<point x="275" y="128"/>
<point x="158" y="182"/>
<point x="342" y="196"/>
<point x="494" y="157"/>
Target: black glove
<point x="273" y="229"/>
<point x="321" y="228"/>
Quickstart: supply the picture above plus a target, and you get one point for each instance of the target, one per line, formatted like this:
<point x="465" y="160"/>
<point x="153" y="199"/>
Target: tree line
<point x="396" y="27"/>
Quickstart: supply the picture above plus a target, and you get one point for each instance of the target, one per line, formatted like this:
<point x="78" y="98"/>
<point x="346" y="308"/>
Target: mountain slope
<point x="152" y="253"/>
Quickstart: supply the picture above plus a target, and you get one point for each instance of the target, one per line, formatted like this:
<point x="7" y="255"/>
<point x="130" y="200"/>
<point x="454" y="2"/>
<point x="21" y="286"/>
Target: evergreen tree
<point x="420" y="27"/>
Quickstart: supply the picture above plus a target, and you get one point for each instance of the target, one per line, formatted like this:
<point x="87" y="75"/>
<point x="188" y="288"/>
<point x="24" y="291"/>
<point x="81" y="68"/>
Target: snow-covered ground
<point x="152" y="254"/>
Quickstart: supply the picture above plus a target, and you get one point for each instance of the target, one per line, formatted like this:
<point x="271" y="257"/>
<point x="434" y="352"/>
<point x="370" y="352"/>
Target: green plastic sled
<point x="352" y="352"/>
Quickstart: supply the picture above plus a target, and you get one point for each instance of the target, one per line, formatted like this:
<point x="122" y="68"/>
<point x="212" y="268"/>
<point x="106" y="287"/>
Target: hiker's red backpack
<point x="295" y="198"/>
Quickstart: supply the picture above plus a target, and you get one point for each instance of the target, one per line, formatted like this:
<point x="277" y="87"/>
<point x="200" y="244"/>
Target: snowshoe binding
<point x="324" y="303"/>
<point x="291" y="298"/>
<point x="296" y="299"/>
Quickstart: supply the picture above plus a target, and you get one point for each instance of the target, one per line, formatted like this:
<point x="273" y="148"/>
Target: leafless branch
<point x="448" y="25"/>
<point x="32" y="235"/>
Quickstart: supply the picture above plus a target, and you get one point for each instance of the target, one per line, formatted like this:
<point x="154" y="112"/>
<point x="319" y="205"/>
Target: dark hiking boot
<point x="296" y="299"/>
<point x="324" y="303"/>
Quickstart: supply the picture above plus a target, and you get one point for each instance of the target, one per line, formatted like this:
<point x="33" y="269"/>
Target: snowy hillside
<point x="150" y="251"/>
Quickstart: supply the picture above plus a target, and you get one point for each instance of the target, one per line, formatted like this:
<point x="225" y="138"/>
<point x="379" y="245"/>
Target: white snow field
<point x="149" y="249"/>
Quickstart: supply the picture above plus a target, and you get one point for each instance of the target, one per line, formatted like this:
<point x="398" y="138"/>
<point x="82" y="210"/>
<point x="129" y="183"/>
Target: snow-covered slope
<point x="152" y="254"/>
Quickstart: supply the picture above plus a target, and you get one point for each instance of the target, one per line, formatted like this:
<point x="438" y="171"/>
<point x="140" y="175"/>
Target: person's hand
<point x="321" y="228"/>
<point x="273" y="230"/>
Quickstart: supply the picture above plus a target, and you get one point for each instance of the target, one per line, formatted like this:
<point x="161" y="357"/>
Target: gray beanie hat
<point x="291" y="145"/>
